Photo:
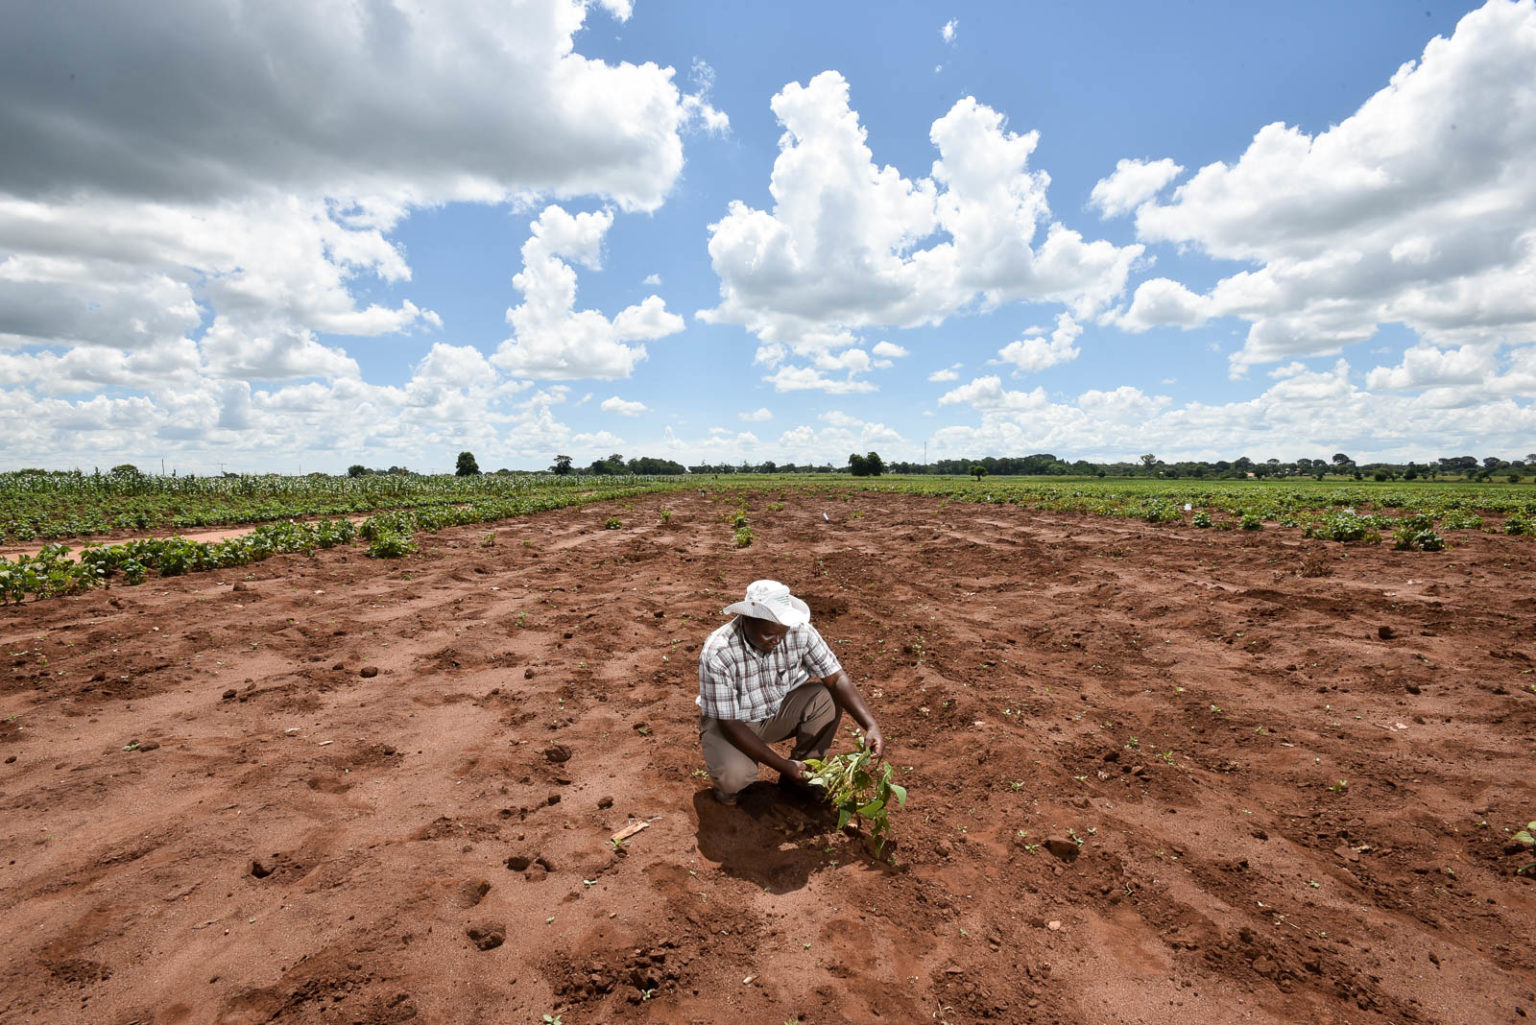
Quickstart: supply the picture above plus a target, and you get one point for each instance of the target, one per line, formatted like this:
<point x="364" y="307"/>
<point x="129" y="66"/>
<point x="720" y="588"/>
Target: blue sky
<point x="267" y="236"/>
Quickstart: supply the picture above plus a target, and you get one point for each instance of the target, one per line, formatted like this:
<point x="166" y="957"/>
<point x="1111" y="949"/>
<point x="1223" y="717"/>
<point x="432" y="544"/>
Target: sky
<point x="258" y="235"/>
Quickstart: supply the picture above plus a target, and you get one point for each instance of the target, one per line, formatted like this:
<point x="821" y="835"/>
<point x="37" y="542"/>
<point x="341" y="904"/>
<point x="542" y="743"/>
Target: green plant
<point x="666" y="516"/>
<point x="1526" y="838"/>
<point x="390" y="545"/>
<point x="858" y="790"/>
<point x="612" y="523"/>
<point x="1423" y="539"/>
<point x="550" y="1020"/>
<point x="743" y="537"/>
<point x="1251" y="521"/>
<point x="1340" y="787"/>
<point x="1201" y="519"/>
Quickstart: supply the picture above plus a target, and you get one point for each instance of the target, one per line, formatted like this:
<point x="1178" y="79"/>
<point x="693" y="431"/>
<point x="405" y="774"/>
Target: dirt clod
<point x="487" y="935"/>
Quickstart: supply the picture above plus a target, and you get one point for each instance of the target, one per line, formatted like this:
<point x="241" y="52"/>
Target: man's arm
<point x="751" y="745"/>
<point x="848" y="696"/>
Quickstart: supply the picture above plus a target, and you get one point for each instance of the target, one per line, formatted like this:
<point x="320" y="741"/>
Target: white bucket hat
<point x="771" y="600"/>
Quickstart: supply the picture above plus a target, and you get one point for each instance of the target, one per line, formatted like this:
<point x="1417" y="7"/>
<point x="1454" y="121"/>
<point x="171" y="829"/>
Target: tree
<point x="978" y="471"/>
<point x="875" y="464"/>
<point x="1149" y="460"/>
<point x="125" y="470"/>
<point x="562" y="465"/>
<point x="1340" y="459"/>
<point x="357" y="470"/>
<point x="857" y="465"/>
<point x="467" y="466"/>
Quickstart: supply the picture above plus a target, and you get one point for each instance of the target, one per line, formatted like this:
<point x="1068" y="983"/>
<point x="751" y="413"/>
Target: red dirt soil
<point x="292" y="791"/>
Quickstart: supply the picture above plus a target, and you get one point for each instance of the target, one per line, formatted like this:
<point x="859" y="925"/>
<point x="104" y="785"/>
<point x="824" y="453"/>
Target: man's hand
<point x="874" y="740"/>
<point x="797" y="771"/>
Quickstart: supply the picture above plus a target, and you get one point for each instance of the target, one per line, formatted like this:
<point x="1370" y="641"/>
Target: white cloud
<point x="415" y="103"/>
<point x="652" y="280"/>
<point x="757" y="416"/>
<point x="1416" y="209"/>
<point x="180" y="216"/>
<point x="1313" y="411"/>
<point x="1035" y="352"/>
<point x="550" y="337"/>
<point x="988" y="393"/>
<point x="949" y="373"/>
<point x="811" y="379"/>
<point x="1133" y="183"/>
<point x="843" y="433"/>
<point x="947" y="33"/>
<point x="623" y="407"/>
<point x="851" y="245"/>
<point x="889" y="350"/>
<point x="1425" y="366"/>
<point x="1122" y="405"/>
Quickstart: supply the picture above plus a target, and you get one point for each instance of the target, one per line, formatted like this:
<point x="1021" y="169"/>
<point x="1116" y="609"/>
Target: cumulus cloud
<point x="1314" y="411"/>
<point x="947" y="33"/>
<point x="551" y="338"/>
<point x="949" y="373"/>
<point x="464" y="99"/>
<point x="1036" y="351"/>
<point x="811" y="379"/>
<point x="1416" y="209"/>
<point x="850" y="244"/>
<point x="623" y="407"/>
<point x="841" y="433"/>
<point x="179" y="212"/>
<point x="757" y="416"/>
<point x="1133" y="183"/>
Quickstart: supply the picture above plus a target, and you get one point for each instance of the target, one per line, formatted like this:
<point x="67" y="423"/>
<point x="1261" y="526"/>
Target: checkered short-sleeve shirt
<point x="736" y="681"/>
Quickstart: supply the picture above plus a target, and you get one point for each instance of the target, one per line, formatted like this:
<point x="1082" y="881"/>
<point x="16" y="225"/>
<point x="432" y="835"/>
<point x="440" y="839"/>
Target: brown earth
<point x="331" y="789"/>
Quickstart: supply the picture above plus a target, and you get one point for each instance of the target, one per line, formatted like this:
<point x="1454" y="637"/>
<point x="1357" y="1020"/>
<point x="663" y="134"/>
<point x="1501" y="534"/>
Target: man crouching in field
<point x="766" y="676"/>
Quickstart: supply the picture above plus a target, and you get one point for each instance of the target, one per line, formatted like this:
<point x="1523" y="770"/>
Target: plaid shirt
<point x="736" y="681"/>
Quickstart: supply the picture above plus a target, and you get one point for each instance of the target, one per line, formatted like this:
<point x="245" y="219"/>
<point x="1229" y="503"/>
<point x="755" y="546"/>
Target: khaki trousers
<point x="809" y="713"/>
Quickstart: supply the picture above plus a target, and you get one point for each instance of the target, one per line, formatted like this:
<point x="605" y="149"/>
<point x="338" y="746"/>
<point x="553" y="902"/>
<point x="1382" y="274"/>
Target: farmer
<point x="764" y="677"/>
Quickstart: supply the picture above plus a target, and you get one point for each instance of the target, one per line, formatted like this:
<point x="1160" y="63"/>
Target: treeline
<point x="1044" y="464"/>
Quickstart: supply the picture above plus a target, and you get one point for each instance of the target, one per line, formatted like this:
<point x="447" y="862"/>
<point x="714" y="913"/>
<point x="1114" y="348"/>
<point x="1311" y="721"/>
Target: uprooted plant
<point x="859" y="789"/>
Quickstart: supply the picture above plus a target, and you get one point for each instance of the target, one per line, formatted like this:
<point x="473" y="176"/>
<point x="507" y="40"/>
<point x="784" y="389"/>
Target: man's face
<point x="763" y="634"/>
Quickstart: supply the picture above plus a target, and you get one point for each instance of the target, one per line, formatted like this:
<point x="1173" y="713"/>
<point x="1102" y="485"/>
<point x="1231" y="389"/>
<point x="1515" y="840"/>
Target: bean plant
<point x="854" y="785"/>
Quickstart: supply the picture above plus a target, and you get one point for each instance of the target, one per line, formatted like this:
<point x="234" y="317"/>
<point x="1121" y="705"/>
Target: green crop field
<point x="54" y="506"/>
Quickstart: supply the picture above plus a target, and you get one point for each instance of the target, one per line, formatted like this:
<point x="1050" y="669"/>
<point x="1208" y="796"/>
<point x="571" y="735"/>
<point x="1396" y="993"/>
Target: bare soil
<point x="1157" y="774"/>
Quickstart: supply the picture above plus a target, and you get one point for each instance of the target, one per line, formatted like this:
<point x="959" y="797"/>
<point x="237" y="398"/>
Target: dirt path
<point x="293" y="790"/>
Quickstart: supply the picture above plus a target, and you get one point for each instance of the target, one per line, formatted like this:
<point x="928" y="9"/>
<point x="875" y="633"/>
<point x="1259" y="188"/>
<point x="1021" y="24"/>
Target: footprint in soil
<point x="750" y="841"/>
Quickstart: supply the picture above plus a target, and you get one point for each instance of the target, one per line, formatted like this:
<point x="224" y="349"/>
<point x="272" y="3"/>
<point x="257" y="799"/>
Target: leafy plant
<point x="743" y="536"/>
<point x="854" y="786"/>
<point x="1423" y="539"/>
<point x="612" y="523"/>
<point x="1201" y="519"/>
<point x="390" y="545"/>
<point x="1526" y="838"/>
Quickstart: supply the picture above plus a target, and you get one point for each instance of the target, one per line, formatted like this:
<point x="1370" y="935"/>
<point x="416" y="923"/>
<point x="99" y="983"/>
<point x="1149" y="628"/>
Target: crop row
<point x="55" y="506"/>
<point x="52" y="572"/>
<point x="1274" y="501"/>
